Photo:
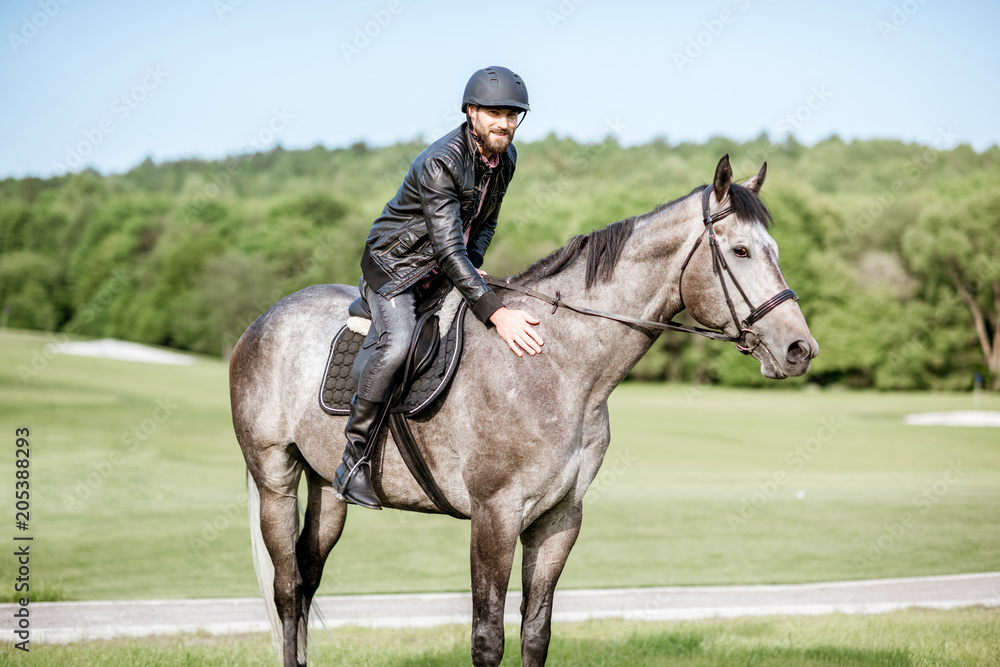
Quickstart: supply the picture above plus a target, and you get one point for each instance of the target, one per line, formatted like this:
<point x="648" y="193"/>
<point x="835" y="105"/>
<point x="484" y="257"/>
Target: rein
<point x="745" y="327"/>
<point x="558" y="303"/>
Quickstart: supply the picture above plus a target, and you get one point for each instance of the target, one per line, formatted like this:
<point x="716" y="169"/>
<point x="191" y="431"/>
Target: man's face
<point x="494" y="127"/>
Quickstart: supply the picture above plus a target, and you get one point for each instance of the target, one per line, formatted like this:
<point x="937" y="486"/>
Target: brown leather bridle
<point x="718" y="260"/>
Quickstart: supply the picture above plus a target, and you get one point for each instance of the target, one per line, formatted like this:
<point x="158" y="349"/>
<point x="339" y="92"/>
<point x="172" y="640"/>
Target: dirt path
<point x="75" y="621"/>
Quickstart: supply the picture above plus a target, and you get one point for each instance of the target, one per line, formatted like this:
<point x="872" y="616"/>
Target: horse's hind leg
<point x="547" y="543"/>
<point x="324" y="523"/>
<point x="276" y="475"/>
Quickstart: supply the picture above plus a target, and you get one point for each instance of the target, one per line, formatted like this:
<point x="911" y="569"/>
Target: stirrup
<point x="342" y="492"/>
<point x="348" y="479"/>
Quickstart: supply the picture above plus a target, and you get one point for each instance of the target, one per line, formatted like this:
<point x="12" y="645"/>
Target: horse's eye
<point x="741" y="252"/>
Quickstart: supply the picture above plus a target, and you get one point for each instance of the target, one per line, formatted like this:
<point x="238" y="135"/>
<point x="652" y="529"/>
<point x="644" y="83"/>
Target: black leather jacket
<point x="421" y="228"/>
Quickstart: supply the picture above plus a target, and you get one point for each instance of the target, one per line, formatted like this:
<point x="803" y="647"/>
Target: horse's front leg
<point x="494" y="538"/>
<point x="547" y="543"/>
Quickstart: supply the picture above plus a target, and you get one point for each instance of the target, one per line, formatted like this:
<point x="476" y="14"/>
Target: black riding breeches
<point x="395" y="320"/>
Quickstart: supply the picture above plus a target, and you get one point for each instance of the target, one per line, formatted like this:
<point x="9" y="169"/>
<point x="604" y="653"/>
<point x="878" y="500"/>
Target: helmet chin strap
<point x="476" y="138"/>
<point x="472" y="128"/>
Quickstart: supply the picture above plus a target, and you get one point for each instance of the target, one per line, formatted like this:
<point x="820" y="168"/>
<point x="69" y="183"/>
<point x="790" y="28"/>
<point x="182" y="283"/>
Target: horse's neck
<point x="644" y="285"/>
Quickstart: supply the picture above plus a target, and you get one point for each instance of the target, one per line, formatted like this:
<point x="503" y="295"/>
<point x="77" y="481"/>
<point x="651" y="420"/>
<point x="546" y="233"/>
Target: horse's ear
<point x="755" y="182"/>
<point x="723" y="178"/>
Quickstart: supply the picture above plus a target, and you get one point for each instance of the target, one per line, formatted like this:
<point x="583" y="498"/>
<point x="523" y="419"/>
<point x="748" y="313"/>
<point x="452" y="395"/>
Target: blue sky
<point x="107" y="84"/>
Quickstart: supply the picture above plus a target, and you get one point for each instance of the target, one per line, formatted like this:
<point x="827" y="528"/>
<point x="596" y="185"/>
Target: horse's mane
<point x="604" y="246"/>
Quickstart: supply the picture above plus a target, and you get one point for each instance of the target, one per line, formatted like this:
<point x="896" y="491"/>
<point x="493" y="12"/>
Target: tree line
<point x="894" y="248"/>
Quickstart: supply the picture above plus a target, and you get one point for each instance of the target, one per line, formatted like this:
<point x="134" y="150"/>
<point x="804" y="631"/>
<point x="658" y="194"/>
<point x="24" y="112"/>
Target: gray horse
<point x="517" y="441"/>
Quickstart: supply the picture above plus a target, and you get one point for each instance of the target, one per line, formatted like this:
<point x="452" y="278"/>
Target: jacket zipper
<point x="399" y="239"/>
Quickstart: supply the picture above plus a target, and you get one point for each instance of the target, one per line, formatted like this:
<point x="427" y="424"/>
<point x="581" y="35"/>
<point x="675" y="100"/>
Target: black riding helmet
<point x="496" y="87"/>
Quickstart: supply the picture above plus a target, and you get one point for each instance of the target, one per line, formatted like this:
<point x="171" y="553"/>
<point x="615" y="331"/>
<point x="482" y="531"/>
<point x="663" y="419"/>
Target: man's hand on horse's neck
<point x="514" y="326"/>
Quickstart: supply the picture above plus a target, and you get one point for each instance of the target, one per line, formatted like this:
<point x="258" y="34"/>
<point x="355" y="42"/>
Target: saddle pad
<point x="338" y="386"/>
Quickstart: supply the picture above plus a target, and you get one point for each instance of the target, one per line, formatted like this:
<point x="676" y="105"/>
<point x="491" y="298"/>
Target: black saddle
<point x="429" y="366"/>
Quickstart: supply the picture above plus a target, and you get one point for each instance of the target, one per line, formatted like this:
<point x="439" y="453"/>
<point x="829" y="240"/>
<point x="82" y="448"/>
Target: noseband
<point x="719" y="261"/>
<point x="745" y="327"/>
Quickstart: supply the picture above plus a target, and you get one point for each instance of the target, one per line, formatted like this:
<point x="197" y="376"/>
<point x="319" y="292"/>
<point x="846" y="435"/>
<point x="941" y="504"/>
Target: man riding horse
<point x="436" y="229"/>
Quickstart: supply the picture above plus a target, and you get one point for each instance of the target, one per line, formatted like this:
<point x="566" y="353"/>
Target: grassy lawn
<point x="903" y="639"/>
<point x="138" y="490"/>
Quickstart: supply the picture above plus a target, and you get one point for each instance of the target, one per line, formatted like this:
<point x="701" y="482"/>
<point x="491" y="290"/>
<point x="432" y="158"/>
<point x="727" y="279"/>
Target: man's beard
<point x="493" y="143"/>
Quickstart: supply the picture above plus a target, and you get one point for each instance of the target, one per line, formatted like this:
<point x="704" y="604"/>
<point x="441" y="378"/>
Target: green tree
<point x="957" y="243"/>
<point x="228" y="294"/>
<point x="28" y="287"/>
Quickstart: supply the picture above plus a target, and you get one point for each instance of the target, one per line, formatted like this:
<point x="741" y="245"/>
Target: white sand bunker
<point x="109" y="348"/>
<point x="978" y="418"/>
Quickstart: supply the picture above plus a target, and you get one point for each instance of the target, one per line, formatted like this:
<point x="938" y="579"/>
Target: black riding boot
<point x="353" y="479"/>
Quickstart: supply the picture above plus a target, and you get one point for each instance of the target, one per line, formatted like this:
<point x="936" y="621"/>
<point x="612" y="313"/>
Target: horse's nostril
<point x="798" y="352"/>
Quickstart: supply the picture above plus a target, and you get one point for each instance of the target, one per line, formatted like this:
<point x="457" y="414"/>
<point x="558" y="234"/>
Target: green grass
<point x="903" y="638"/>
<point x="119" y="518"/>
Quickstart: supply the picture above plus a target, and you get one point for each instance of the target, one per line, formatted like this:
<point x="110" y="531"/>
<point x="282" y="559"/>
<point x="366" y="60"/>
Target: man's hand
<point x="514" y="326"/>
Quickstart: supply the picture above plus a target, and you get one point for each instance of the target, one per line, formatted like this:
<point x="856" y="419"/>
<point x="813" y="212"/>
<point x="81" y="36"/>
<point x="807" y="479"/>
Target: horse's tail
<point x="262" y="564"/>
